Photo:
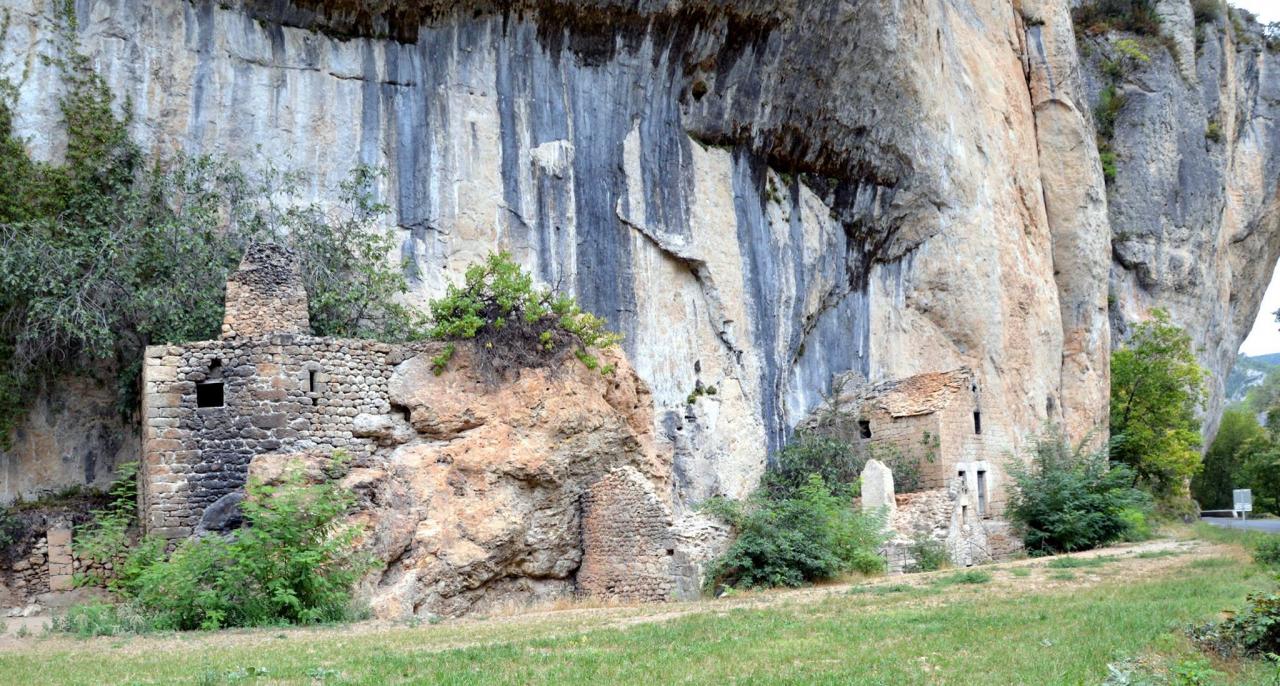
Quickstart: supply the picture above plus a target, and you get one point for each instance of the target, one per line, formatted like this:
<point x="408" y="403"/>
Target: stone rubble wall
<point x="194" y="456"/>
<point x="49" y="565"/>
<point x="266" y="294"/>
<point x="626" y="540"/>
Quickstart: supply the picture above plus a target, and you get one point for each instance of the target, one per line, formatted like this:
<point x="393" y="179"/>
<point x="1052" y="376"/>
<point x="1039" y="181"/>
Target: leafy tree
<point x="1066" y="499"/>
<point x="839" y="460"/>
<point x="1260" y="471"/>
<point x="1239" y="437"/>
<point x="1156" y="387"/>
<point x="512" y="323"/>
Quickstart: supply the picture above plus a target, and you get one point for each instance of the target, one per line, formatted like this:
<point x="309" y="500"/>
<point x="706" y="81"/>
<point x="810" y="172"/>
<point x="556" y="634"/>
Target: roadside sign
<point x="1243" y="499"/>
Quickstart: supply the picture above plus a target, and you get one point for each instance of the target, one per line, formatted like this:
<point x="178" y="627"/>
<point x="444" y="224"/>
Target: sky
<point x="1265" y="336"/>
<point x="1267" y="10"/>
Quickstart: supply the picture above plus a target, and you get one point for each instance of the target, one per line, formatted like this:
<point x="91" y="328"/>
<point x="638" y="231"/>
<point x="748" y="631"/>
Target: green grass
<point x="991" y="634"/>
<point x="882" y="589"/>
<point x="969" y="576"/>
<point x="1062" y="575"/>
<point x="1155" y="554"/>
<point x="1020" y="571"/>
<point x="1078" y="562"/>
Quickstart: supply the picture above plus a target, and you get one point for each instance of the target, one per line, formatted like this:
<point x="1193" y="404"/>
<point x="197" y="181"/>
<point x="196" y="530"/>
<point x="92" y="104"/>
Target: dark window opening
<point x="311" y="381"/>
<point x="671" y="551"/>
<point x="864" y="428"/>
<point x="209" y="394"/>
<point x="982" y="493"/>
<point x="977" y="422"/>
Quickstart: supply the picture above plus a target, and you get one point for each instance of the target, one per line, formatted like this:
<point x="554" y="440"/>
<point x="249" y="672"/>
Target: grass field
<point x="1020" y="623"/>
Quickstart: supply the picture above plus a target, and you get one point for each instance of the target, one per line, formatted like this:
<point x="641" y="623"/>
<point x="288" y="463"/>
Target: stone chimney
<point x="265" y="295"/>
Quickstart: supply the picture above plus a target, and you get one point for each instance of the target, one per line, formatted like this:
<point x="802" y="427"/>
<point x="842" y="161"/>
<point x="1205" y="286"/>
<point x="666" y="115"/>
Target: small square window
<point x="209" y="394"/>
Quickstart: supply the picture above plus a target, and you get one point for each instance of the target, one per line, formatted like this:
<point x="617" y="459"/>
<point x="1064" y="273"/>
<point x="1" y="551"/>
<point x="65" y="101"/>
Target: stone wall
<point x="46" y="565"/>
<point x="280" y="393"/>
<point x="626" y="540"/>
<point x="266" y="294"/>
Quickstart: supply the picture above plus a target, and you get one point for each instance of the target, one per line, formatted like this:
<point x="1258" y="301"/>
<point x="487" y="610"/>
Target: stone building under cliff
<point x="467" y="496"/>
<point x="938" y="420"/>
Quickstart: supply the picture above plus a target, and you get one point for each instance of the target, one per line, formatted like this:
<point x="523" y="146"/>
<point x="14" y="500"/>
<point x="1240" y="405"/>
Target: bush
<point x="292" y="563"/>
<point x="928" y="554"/>
<point x="101" y="619"/>
<point x="1066" y="500"/>
<point x="1252" y="632"/>
<point x="1206" y="11"/>
<point x="1137" y="525"/>
<point x="812" y="536"/>
<point x="1266" y="551"/>
<point x="513" y="324"/>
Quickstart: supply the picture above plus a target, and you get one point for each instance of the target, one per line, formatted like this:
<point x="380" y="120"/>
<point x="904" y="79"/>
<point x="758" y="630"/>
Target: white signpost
<point x="1243" y="499"/>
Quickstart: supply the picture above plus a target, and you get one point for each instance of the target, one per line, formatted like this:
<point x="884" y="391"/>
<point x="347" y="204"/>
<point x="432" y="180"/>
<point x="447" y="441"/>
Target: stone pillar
<point x="61" y="567"/>
<point x="877" y="488"/>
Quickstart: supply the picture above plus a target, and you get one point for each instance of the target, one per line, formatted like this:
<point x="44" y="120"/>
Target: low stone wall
<point x="48" y="565"/>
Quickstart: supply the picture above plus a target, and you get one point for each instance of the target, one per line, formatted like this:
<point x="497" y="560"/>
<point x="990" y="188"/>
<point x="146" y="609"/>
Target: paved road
<point x="1268" y="525"/>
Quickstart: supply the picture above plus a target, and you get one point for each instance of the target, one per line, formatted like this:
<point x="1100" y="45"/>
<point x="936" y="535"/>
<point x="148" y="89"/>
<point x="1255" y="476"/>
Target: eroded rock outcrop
<point x="483" y="502"/>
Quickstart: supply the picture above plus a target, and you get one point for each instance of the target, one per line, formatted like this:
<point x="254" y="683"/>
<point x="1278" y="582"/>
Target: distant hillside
<point x="1249" y="372"/>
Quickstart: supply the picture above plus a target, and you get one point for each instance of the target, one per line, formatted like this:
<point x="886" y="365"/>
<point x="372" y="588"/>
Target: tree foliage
<point x="1239" y="439"/>
<point x="1156" y="388"/>
<point x="1066" y="499"/>
<point x="839" y="460"/>
<point x="512" y="323"/>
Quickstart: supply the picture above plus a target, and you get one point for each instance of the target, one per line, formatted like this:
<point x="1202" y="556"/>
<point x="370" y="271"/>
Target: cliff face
<point x="759" y="195"/>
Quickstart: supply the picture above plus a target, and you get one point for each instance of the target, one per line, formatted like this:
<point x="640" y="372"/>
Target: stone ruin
<point x="962" y="498"/>
<point x="471" y="495"/>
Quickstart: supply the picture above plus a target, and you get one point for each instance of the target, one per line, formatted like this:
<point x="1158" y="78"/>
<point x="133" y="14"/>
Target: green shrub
<point x="1213" y="131"/>
<point x="1066" y="499"/>
<point x="928" y="554"/>
<point x="1206" y="11"/>
<point x="513" y="324"/>
<point x="292" y="563"/>
<point x="101" y="619"/>
<point x="1253" y="631"/>
<point x="1137" y="526"/>
<point x="812" y="536"/>
<point x="1266" y="551"/>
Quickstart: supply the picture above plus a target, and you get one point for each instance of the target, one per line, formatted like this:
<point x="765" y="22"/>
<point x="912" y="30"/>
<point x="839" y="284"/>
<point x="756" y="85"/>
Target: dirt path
<point x="1143" y="559"/>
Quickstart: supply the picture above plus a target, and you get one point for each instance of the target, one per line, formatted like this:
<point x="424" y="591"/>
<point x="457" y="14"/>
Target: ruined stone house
<point x="939" y="419"/>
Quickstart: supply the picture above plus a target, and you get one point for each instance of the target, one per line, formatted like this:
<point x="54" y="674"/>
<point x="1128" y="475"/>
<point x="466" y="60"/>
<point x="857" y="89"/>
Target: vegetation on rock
<point x="514" y="324"/>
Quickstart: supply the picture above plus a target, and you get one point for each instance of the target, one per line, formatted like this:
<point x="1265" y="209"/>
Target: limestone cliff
<point x="759" y="195"/>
